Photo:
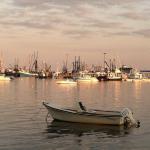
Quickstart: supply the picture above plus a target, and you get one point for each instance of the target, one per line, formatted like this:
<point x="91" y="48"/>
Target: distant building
<point x="145" y="73"/>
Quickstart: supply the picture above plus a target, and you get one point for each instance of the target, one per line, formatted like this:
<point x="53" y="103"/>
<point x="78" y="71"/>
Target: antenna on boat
<point x="66" y="63"/>
<point x="104" y="60"/>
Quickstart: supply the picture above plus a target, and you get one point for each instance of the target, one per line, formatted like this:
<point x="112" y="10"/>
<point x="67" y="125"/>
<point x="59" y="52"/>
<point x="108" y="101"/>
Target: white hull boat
<point x="87" y="79"/>
<point x="134" y="80"/>
<point x="83" y="79"/>
<point x="91" y="116"/>
<point x="67" y="81"/>
<point x="27" y="74"/>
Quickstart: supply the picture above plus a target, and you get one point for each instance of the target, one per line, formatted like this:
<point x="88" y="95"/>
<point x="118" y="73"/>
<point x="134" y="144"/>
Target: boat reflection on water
<point x="66" y="128"/>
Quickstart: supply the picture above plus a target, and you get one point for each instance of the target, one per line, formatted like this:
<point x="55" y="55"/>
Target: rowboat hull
<point x="104" y="117"/>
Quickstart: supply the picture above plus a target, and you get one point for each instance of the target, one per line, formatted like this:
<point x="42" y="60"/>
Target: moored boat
<point x="91" y="116"/>
<point x="85" y="77"/>
<point x="66" y="81"/>
<point x="110" y="76"/>
<point x="23" y="73"/>
<point x="102" y="77"/>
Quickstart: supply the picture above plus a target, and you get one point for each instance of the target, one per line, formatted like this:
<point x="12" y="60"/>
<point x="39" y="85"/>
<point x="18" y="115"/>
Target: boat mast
<point x="104" y="60"/>
<point x="66" y="64"/>
<point x="1" y="63"/>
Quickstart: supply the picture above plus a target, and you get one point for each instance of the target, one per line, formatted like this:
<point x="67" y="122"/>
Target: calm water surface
<point x="22" y="116"/>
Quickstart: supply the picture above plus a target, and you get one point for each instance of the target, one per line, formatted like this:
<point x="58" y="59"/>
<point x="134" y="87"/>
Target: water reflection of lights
<point x="137" y="89"/>
<point x="117" y="92"/>
<point x="4" y="82"/>
<point x="67" y="86"/>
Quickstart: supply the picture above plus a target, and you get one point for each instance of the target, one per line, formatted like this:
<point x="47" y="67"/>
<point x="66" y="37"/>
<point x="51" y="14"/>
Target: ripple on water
<point x="22" y="119"/>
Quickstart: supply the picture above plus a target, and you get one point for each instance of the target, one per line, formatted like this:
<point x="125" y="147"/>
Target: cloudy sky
<point x="88" y="28"/>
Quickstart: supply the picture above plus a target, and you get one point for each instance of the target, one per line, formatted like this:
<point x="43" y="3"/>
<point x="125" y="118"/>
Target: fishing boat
<point x="24" y="73"/>
<point x="82" y="76"/>
<point x="42" y="75"/>
<point x="91" y="116"/>
<point x="102" y="76"/>
<point x="135" y="76"/>
<point x="66" y="81"/>
<point x="85" y="77"/>
<point x="115" y="75"/>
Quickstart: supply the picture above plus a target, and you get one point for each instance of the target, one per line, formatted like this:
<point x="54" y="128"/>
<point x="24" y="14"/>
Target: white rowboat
<point x="92" y="116"/>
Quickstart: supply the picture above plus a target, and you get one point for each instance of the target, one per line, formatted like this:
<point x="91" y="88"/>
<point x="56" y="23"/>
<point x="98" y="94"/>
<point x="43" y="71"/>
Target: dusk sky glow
<point x="76" y="27"/>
